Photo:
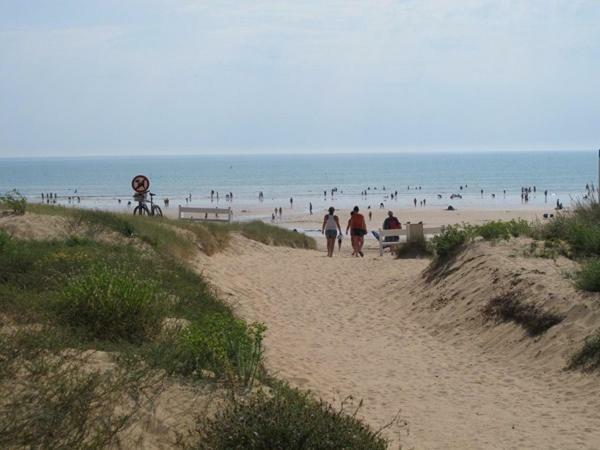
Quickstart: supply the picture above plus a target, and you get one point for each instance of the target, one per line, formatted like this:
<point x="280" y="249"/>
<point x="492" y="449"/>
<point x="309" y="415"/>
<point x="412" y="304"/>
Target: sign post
<point x="140" y="184"/>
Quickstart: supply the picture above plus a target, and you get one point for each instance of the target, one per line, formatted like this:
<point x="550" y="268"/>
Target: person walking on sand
<point x="330" y="228"/>
<point x="358" y="229"/>
<point x="310" y="208"/>
<point x="352" y="237"/>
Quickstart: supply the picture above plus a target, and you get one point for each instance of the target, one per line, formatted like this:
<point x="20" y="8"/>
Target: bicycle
<point x="142" y="209"/>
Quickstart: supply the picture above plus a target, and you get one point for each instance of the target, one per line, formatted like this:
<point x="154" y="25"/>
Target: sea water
<point x="101" y="181"/>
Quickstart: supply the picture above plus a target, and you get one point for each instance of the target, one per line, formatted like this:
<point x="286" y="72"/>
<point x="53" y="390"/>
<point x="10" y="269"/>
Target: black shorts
<point x="358" y="232"/>
<point x="330" y="233"/>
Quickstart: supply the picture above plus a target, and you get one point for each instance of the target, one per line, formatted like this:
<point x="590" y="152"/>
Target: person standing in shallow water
<point x="330" y="228"/>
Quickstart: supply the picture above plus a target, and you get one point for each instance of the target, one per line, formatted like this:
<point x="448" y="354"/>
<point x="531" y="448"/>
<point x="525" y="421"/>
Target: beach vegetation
<point x="107" y="303"/>
<point x="13" y="202"/>
<point x="509" y="307"/>
<point x="283" y="417"/>
<point x="579" y="227"/>
<point x="450" y="241"/>
<point x="588" y="357"/>
<point x="177" y="238"/>
<point x="53" y="399"/>
<point x="502" y="229"/>
<point x="216" y="347"/>
<point x="588" y="278"/>
<point x="109" y="296"/>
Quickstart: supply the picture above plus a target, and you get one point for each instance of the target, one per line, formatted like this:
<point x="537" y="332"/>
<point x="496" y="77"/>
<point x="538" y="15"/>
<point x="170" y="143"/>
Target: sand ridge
<point x="348" y="326"/>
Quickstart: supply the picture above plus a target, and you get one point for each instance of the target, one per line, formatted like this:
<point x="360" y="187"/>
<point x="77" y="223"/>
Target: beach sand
<point x="375" y="329"/>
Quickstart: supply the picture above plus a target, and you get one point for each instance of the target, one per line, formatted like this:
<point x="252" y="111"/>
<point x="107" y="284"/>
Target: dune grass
<point x="454" y="237"/>
<point x="177" y="238"/>
<point x="588" y="357"/>
<point x="580" y="228"/>
<point x="285" y="418"/>
<point x="111" y="296"/>
<point x="508" y="307"/>
<point x="13" y="202"/>
<point x="160" y="233"/>
<point x="588" y="278"/>
<point x="47" y="399"/>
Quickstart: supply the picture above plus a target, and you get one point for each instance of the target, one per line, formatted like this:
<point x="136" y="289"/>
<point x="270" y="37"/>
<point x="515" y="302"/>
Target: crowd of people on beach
<point x="527" y="193"/>
<point x="50" y="198"/>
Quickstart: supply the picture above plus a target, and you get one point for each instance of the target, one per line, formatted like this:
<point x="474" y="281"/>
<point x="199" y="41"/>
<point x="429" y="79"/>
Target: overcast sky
<point x="87" y="77"/>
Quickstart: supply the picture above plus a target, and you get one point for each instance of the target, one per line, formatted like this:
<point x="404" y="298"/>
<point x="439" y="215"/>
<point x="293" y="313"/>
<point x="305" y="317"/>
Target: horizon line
<point x="296" y="153"/>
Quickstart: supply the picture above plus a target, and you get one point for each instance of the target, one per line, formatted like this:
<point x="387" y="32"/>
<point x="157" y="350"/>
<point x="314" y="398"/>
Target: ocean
<point x="101" y="181"/>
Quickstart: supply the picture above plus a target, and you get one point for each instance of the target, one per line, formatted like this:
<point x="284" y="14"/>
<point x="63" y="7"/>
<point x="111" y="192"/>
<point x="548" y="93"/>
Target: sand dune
<point x="372" y="328"/>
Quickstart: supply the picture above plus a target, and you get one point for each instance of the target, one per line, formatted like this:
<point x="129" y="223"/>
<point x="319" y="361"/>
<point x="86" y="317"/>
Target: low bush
<point x="579" y="227"/>
<point x="503" y="230"/>
<point x="106" y="303"/>
<point x="588" y="358"/>
<point x="414" y="249"/>
<point x="588" y="278"/>
<point x="509" y="308"/>
<point x="14" y="202"/>
<point x="52" y="400"/>
<point x="285" y="418"/>
<point x="228" y="348"/>
<point x="450" y="241"/>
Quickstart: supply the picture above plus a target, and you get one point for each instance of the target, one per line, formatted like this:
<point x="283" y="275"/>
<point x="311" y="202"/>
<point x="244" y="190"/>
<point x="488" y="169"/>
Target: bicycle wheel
<point x="141" y="210"/>
<point x="156" y="211"/>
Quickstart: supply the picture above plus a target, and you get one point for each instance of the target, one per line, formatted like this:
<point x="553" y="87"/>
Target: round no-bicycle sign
<point x="140" y="184"/>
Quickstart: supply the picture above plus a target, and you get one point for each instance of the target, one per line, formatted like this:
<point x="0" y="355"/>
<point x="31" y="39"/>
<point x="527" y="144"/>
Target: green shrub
<point x="4" y="240"/>
<point x="579" y="227"/>
<point x="450" y="241"/>
<point x="227" y="347"/>
<point x="588" y="358"/>
<point x="285" y="418"/>
<point x="588" y="278"/>
<point x="14" y="202"/>
<point x="503" y="230"/>
<point x="106" y="303"/>
<point x="509" y="308"/>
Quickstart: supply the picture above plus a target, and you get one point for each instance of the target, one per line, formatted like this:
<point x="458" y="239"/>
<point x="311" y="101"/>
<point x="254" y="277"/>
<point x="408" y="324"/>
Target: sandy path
<point x="339" y="327"/>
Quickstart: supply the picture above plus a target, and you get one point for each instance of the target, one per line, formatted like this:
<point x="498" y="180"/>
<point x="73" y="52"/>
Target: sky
<point x="143" y="77"/>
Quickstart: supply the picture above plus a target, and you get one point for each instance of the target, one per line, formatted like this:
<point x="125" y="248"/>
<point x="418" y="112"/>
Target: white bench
<point x="205" y="214"/>
<point x="412" y="231"/>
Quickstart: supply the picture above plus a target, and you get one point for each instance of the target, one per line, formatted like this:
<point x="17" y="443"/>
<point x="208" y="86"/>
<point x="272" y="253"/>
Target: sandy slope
<point x="350" y="326"/>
